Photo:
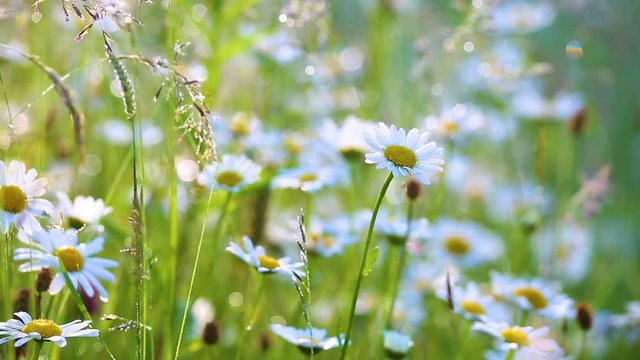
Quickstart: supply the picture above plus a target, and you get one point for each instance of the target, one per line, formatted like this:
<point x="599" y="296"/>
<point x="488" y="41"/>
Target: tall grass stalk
<point x="363" y="262"/>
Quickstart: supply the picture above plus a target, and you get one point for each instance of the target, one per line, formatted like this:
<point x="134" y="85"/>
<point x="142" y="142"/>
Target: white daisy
<point x="396" y="345"/>
<point x="257" y="257"/>
<point x="328" y="237"/>
<point x="395" y="228"/>
<point x="529" y="343"/>
<point x="403" y="153"/>
<point x="309" y="179"/>
<point x="463" y="243"/>
<point x="306" y="340"/>
<point x="473" y="304"/>
<point x="50" y="248"/>
<point x="20" y="201"/>
<point x="456" y="122"/>
<point x="25" y="328"/>
<point x="533" y="295"/>
<point x="343" y="141"/>
<point x="232" y="173"/>
<point x="564" y="250"/>
<point x="83" y="211"/>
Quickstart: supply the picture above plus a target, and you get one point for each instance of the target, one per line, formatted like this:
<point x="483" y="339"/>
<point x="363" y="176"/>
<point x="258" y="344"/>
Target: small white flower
<point x="232" y="173"/>
<point x="328" y="237"/>
<point x="463" y="243"/>
<point x="564" y="250"/>
<point x="306" y="340"/>
<point x="396" y="345"/>
<point x="50" y="248"/>
<point x="456" y="122"/>
<point x="473" y="304"/>
<point x="533" y="295"/>
<point x="529" y="343"/>
<point x="309" y="179"/>
<point x="83" y="211"/>
<point x="20" y="201"/>
<point x="341" y="142"/>
<point x="403" y="153"/>
<point x="257" y="257"/>
<point x="395" y="228"/>
<point x="26" y="329"/>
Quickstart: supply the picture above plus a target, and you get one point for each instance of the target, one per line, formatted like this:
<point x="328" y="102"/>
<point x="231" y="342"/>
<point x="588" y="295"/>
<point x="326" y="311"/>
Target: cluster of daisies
<point x="59" y="242"/>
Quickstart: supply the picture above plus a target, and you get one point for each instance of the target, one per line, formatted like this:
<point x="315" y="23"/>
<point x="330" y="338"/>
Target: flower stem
<point x="511" y="354"/>
<point x="36" y="350"/>
<point x="367" y="243"/>
<point x="252" y="319"/>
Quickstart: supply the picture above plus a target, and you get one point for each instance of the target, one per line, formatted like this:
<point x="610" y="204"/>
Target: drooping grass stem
<point x="363" y="262"/>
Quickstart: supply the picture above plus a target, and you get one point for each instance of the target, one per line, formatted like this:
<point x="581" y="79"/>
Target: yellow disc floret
<point x="46" y="328"/>
<point x="70" y="257"/>
<point x="12" y="199"/>
<point x="400" y="156"/>
<point x="456" y="245"/>
<point x="535" y="297"/>
<point x="268" y="262"/>
<point x="515" y="335"/>
<point x="307" y="177"/>
<point x="472" y="307"/>
<point x="229" y="178"/>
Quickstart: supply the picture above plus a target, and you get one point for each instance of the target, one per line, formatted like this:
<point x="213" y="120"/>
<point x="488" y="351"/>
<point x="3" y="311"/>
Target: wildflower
<point x="396" y="345"/>
<point x="25" y="329"/>
<point x="395" y="229"/>
<point x="309" y="179"/>
<point x="463" y="243"/>
<point x="533" y="295"/>
<point x="339" y="140"/>
<point x="456" y="122"/>
<point x="232" y="173"/>
<point x="473" y="304"/>
<point x="630" y="318"/>
<point x="257" y="257"/>
<point x="20" y="201"/>
<point x="307" y="339"/>
<point x="328" y="237"/>
<point x="49" y="249"/>
<point x="83" y="211"/>
<point x="403" y="153"/>
<point x="529" y="343"/>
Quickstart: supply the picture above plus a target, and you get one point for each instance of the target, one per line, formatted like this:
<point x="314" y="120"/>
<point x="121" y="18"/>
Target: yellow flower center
<point x="229" y="178"/>
<point x="307" y="177"/>
<point x="268" y="262"/>
<point x="70" y="257"/>
<point x="515" y="335"/>
<point x="400" y="156"/>
<point x="12" y="199"/>
<point x="450" y="127"/>
<point x="76" y="223"/>
<point x="457" y="245"/>
<point x="292" y="145"/>
<point x="46" y="328"/>
<point x="535" y="297"/>
<point x="472" y="307"/>
<point x="239" y="125"/>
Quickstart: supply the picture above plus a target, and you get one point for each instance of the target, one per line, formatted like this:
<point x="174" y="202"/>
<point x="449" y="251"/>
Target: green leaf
<point x="371" y="261"/>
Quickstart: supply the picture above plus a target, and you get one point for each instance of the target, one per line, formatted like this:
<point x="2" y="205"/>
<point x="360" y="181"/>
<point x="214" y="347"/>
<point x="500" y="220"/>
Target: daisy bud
<point x="211" y="332"/>
<point x="413" y="189"/>
<point x="577" y="121"/>
<point x="22" y="301"/>
<point x="43" y="280"/>
<point x="584" y="315"/>
<point x="264" y="342"/>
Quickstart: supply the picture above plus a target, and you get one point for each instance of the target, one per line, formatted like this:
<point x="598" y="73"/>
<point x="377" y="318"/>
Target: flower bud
<point x="584" y="315"/>
<point x="211" y="332"/>
<point x="43" y="280"/>
<point x="413" y="189"/>
<point x="22" y="301"/>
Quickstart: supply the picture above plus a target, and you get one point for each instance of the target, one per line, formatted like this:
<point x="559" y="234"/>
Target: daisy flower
<point x="301" y="338"/>
<point x="20" y="201"/>
<point x="24" y="329"/>
<point x="309" y="179"/>
<point x="50" y="248"/>
<point x="395" y="229"/>
<point x="456" y="122"/>
<point x="342" y="141"/>
<point x="564" y="250"/>
<point x="463" y="243"/>
<point x="528" y="343"/>
<point x="257" y="257"/>
<point x="533" y="295"/>
<point x="396" y="345"/>
<point x="403" y="153"/>
<point x="232" y="173"/>
<point x="473" y="304"/>
<point x="328" y="237"/>
<point x="83" y="211"/>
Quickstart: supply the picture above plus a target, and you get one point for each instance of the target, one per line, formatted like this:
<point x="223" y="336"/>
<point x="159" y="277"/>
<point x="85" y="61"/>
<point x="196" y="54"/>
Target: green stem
<point x="367" y="243"/>
<point x="511" y="354"/>
<point x="36" y="350"/>
<point x="252" y="319"/>
<point x="193" y="275"/>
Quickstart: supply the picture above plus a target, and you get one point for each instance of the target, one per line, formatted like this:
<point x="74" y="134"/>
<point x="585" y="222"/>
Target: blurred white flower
<point x="462" y="243"/>
<point x="564" y="250"/>
<point x="522" y="17"/>
<point x="25" y="329"/>
<point x="232" y="173"/>
<point x="257" y="257"/>
<point x="83" y="211"/>
<point x="306" y="339"/>
<point x="529" y="343"/>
